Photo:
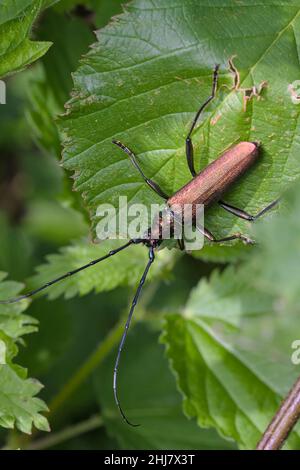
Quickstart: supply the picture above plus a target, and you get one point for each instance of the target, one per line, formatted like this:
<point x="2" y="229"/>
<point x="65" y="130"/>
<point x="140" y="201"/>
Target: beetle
<point x="205" y="188"/>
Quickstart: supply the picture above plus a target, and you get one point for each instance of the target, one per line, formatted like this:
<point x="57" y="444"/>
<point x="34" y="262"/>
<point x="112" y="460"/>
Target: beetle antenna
<point x="123" y="339"/>
<point x="70" y="273"/>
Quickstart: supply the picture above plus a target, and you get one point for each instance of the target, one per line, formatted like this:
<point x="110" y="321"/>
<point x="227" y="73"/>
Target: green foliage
<point x="149" y="397"/>
<point x="10" y="10"/>
<point x="123" y="269"/>
<point x="12" y="321"/>
<point x="228" y="330"/>
<point x="18" y="405"/>
<point x="105" y="10"/>
<point x="51" y="88"/>
<point x="223" y="385"/>
<point x="142" y="83"/>
<point x="17" y="50"/>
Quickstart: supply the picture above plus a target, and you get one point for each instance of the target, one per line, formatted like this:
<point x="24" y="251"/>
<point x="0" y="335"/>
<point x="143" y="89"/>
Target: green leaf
<point x="19" y="406"/>
<point x="225" y="297"/>
<point x="17" y="50"/>
<point x="9" y="10"/>
<point x="123" y="269"/>
<point x="218" y="386"/>
<point x="234" y="380"/>
<point x="144" y="80"/>
<point x="12" y="321"/>
<point x="149" y="397"/>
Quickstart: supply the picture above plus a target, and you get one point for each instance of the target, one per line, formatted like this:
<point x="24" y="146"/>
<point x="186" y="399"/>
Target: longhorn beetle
<point x="205" y="188"/>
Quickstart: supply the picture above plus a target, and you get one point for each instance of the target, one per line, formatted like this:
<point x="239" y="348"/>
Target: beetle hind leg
<point x="245" y="215"/>
<point x="234" y="236"/>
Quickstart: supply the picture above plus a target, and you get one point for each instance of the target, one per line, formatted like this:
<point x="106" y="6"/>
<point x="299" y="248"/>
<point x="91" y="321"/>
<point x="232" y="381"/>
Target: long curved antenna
<point x="70" y="273"/>
<point x="127" y="324"/>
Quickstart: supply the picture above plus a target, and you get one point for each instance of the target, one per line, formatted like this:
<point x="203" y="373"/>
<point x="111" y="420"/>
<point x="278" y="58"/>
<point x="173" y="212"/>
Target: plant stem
<point x="283" y="422"/>
<point x="66" y="434"/>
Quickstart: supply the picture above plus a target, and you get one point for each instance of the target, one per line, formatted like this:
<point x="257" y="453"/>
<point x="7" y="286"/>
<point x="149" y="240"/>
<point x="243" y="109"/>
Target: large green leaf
<point x="234" y="379"/>
<point x="149" y="397"/>
<point x="226" y="297"/>
<point x="147" y="75"/>
<point x="17" y="50"/>
<point x="220" y="387"/>
<point x="18" y="404"/>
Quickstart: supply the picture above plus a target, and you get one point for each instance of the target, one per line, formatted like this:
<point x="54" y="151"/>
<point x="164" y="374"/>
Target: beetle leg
<point x="235" y="236"/>
<point x="154" y="186"/>
<point x="243" y="214"/>
<point x="188" y="141"/>
<point x="181" y="244"/>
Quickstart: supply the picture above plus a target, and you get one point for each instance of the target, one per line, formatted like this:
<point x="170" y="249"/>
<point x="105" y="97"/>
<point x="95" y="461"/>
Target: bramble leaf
<point x="147" y="75"/>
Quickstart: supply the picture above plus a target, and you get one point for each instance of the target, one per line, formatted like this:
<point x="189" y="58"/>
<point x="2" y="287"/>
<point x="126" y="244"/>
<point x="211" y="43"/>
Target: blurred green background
<point x="37" y="217"/>
<point x="228" y="342"/>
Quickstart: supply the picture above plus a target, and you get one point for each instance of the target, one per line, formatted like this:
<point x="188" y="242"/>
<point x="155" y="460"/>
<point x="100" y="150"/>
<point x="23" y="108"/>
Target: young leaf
<point x="147" y="75"/>
<point x="17" y="50"/>
<point x="19" y="406"/>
